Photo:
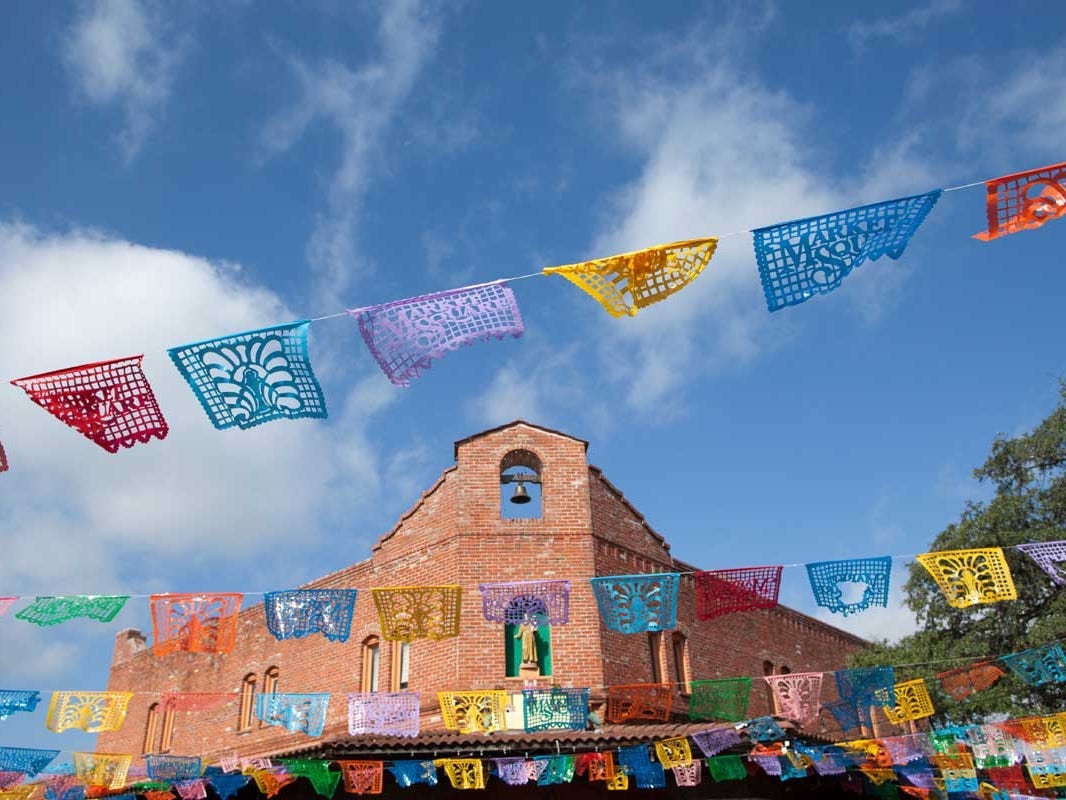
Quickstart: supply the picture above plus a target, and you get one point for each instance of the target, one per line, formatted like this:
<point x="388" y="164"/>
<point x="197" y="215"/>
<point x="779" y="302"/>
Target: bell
<point x="521" y="496"/>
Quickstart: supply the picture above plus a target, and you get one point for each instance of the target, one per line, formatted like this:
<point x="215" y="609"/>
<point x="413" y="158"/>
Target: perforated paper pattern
<point x="724" y="699"/>
<point x="969" y="577"/>
<point x="850" y="715"/>
<point x="407" y="613"/>
<point x="102" y="769"/>
<point x="646" y="773"/>
<point x="301" y="612"/>
<point x="270" y="781"/>
<point x="53" y="610"/>
<point x="29" y="760"/>
<point x="1024" y="200"/>
<point x="173" y="768"/>
<point x="191" y="790"/>
<point x="367" y="777"/>
<point x="625" y="283"/>
<point x="962" y="682"/>
<point x="1008" y="778"/>
<point x="526" y="602"/>
<point x="407" y="336"/>
<point x="409" y="773"/>
<point x="64" y="790"/>
<point x="637" y="603"/>
<point x="515" y="771"/>
<point x="992" y="746"/>
<point x="557" y="708"/>
<point x="1049" y="556"/>
<point x="91" y="712"/>
<point x="317" y="772"/>
<point x="800" y="259"/>
<point x="471" y="712"/>
<point x="619" y="782"/>
<point x="871" y="685"/>
<point x="907" y="748"/>
<point x="9" y="778"/>
<point x="764" y="729"/>
<point x="109" y="403"/>
<point x="826" y="578"/>
<point x="726" y="768"/>
<point x="673" y="752"/>
<point x="463" y="773"/>
<point x="651" y="701"/>
<point x="600" y="766"/>
<point x="830" y="762"/>
<point x="957" y="771"/>
<point x="912" y="702"/>
<point x="791" y="771"/>
<point x="727" y="591"/>
<point x="713" y="742"/>
<point x="1039" y="665"/>
<point x="298" y="713"/>
<point x="249" y="378"/>
<point x="196" y="623"/>
<point x="797" y="695"/>
<point x="195" y="701"/>
<point x="554" y="769"/>
<point x="14" y="700"/>
<point x="689" y="775"/>
<point x="384" y="713"/>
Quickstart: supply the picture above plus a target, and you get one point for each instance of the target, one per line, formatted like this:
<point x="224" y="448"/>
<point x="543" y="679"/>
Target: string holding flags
<point x="625" y="283"/>
<point x="800" y="259"/>
<point x="108" y="402"/>
<point x="407" y="336"/>
<point x="249" y="378"/>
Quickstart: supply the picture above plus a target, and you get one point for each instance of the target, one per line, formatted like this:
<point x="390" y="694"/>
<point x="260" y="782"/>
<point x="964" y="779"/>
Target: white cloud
<point x="360" y="104"/>
<point x="75" y="514"/>
<point x="902" y="28"/>
<point x="121" y="52"/>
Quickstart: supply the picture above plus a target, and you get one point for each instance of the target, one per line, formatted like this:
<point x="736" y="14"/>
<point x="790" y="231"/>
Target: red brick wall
<point x="454" y="534"/>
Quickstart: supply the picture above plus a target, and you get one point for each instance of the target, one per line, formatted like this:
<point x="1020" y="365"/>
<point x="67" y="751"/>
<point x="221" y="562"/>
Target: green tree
<point x="1028" y="473"/>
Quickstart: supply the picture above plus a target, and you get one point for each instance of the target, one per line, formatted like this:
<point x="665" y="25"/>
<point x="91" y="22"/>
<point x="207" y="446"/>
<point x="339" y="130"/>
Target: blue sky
<point x="176" y="173"/>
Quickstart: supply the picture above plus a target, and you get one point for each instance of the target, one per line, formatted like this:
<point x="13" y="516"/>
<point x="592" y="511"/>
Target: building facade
<point x="459" y="532"/>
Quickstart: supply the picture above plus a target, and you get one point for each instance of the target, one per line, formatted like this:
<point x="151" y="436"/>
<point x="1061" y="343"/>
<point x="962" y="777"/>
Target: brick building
<point x="458" y="532"/>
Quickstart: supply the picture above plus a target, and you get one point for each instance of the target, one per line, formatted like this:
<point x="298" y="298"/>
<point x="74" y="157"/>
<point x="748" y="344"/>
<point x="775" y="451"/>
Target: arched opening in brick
<point x="530" y="642"/>
<point x="371" y="664"/>
<point x="247" y="707"/>
<point x="520" y="476"/>
<point x="150" y="728"/>
<point x="270" y="685"/>
<point x="679" y="648"/>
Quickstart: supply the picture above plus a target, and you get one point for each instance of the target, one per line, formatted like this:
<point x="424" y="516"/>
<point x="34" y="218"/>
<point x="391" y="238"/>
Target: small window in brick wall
<point x="520" y="486"/>
<point x="247" y="708"/>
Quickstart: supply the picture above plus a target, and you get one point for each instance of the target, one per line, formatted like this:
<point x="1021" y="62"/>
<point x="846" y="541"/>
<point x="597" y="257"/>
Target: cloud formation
<point x="902" y="28"/>
<point x="361" y="104"/>
<point x="122" y="53"/>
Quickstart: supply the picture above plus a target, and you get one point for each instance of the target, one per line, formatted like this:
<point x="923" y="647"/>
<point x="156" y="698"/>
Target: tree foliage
<point x="1028" y="473"/>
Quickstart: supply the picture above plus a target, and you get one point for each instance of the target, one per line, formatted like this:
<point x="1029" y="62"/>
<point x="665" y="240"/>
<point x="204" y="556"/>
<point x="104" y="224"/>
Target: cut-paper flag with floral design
<point x="1024" y="200"/>
<point x="727" y="591"/>
<point x="650" y="701"/>
<point x="1049" y="556"/>
<point x="637" y="603"/>
<point x="713" y="742"/>
<point x="91" y="712"/>
<point x="673" y="752"/>
<point x="297" y="713"/>
<point x="912" y="701"/>
<point x="797" y="695"/>
<point x="384" y="713"/>
<point x="646" y="773"/>
<point x="102" y="769"/>
<point x="723" y="699"/>
<point x="463" y="773"/>
<point x="407" y="336"/>
<point x="474" y="711"/>
<point x="625" y="283"/>
<point x="366" y="777"/>
<point x="526" y="602"/>
<point x="1040" y="665"/>
<point x="970" y="577"/>
<point x="300" y="612"/>
<point x="800" y="259"/>
<point x="54" y="610"/>
<point x="14" y="700"/>
<point x="828" y="579"/>
<point x="196" y="623"/>
<point x="688" y="775"/>
<point x="960" y="683"/>
<point x="557" y="708"/>
<point x="250" y="378"/>
<point x="407" y="613"/>
<point x="109" y="402"/>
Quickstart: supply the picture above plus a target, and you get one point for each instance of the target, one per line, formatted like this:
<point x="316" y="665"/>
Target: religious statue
<point x="529" y="643"/>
